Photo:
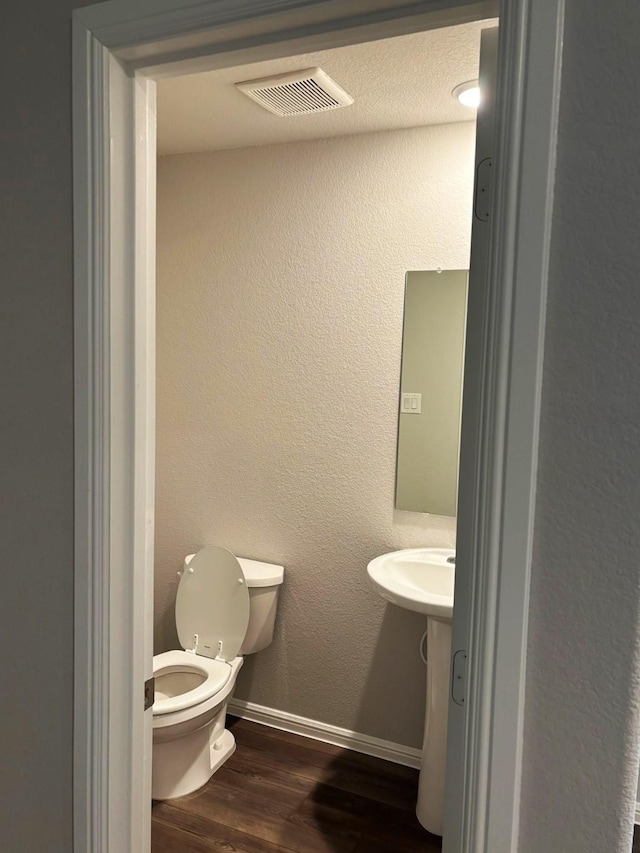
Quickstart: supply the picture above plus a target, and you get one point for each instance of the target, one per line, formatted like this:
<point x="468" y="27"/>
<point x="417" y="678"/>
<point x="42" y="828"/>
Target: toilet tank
<point x="263" y="582"/>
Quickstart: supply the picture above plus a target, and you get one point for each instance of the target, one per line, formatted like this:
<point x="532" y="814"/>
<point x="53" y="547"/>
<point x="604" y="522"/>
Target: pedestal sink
<point x="421" y="579"/>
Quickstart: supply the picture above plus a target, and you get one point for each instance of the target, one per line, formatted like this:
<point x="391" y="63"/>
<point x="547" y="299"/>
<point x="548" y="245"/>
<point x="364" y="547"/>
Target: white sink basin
<point x="419" y="579"/>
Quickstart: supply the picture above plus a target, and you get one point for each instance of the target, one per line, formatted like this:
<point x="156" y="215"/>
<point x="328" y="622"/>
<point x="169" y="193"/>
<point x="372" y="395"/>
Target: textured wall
<point x="580" y="747"/>
<point x="280" y="292"/>
<point x="36" y="439"/>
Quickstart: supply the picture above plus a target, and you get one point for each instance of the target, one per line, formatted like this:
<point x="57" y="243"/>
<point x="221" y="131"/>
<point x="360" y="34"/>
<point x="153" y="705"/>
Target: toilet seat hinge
<point x="219" y="651"/>
<point x="194" y="650"/>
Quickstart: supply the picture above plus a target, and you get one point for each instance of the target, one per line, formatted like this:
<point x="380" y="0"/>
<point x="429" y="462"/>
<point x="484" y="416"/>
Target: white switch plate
<point x="410" y="404"/>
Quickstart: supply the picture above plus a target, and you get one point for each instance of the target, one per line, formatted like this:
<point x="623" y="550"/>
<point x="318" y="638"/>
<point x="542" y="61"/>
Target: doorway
<point x="114" y="534"/>
<point x="283" y="248"/>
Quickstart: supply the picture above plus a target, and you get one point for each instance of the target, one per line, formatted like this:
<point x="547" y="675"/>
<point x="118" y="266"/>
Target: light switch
<point x="411" y="404"/>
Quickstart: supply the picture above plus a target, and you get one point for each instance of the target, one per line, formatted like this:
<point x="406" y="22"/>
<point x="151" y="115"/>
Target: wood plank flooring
<point x="281" y="793"/>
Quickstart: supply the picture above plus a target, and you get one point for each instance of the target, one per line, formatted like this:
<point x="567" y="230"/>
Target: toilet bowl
<point x="225" y="608"/>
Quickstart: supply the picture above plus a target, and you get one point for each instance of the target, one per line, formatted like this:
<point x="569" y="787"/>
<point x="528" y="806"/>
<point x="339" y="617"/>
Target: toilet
<point x="225" y="609"/>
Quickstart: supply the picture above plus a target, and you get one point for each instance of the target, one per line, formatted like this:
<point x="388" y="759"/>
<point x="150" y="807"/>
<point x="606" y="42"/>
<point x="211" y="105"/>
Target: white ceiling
<point x="399" y="82"/>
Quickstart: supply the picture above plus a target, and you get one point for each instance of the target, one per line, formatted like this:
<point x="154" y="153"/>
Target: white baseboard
<point x="396" y="752"/>
<point x="637" y="813"/>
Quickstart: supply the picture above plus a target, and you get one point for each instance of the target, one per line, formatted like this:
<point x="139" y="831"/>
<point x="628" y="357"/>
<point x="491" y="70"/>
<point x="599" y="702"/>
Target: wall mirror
<point x="435" y="306"/>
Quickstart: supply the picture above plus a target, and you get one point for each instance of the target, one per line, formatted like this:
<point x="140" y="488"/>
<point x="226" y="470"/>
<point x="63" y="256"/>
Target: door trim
<point x="499" y="442"/>
<point x="153" y="38"/>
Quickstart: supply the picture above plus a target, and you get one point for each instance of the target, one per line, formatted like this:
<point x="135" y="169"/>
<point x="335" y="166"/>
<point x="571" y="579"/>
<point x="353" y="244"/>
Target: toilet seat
<point x="212" y="604"/>
<point x="214" y="675"/>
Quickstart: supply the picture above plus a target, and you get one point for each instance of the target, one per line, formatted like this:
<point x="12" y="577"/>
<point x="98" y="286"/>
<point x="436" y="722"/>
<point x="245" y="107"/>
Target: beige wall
<point x="280" y="293"/>
<point x="435" y="309"/>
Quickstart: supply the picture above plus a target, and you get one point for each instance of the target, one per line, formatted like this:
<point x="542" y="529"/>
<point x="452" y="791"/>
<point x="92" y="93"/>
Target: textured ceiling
<point x="399" y="82"/>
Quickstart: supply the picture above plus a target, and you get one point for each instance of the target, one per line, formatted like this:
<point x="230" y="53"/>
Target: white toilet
<point x="225" y="608"/>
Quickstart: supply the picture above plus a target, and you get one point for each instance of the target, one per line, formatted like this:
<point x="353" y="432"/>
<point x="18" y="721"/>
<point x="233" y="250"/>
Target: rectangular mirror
<point x="435" y="306"/>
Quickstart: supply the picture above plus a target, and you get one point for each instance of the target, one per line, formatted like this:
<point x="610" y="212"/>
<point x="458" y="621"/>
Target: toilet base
<point x="224" y="748"/>
<point x="182" y="766"/>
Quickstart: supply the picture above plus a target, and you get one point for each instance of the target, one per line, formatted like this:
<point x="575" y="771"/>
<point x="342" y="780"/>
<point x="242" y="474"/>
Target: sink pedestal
<point x="430" y="806"/>
<point x="422" y="580"/>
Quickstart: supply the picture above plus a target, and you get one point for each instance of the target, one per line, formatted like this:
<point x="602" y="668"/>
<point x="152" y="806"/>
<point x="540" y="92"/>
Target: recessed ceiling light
<point x="468" y="93"/>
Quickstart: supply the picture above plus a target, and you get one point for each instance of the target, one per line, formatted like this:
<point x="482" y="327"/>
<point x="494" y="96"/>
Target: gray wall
<point x="281" y="275"/>
<point x="36" y="441"/>
<point x="580" y="729"/>
<point x="582" y="681"/>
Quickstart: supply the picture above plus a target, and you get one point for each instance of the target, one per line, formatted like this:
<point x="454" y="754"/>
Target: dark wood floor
<point x="281" y="793"/>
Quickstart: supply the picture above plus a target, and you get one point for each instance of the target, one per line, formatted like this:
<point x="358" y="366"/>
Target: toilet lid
<point x="213" y="602"/>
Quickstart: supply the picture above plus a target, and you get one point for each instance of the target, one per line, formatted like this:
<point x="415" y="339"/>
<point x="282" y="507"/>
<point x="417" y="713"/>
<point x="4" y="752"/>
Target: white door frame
<point x="119" y="47"/>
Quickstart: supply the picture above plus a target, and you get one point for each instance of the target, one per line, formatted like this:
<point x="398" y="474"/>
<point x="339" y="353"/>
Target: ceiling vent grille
<point x="297" y="93"/>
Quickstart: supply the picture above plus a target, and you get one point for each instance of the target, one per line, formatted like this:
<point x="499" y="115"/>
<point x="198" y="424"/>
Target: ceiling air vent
<point x="297" y="93"/>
